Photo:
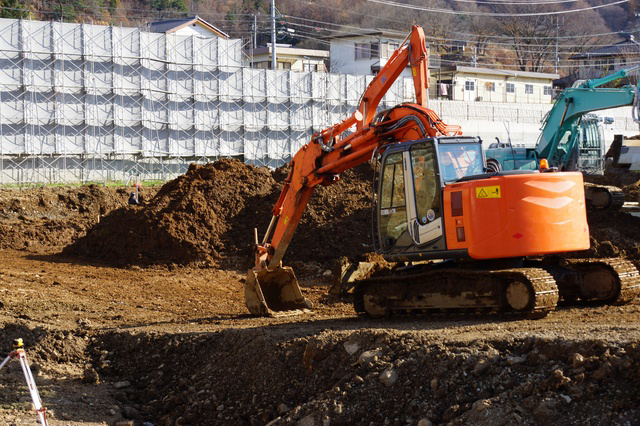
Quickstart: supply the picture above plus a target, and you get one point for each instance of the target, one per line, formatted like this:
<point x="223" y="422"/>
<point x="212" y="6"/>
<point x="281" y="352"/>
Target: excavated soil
<point x="616" y="234"/>
<point x="207" y="217"/>
<point x="44" y="218"/>
<point x="136" y="314"/>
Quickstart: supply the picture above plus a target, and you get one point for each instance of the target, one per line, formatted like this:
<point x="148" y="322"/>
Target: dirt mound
<point x="47" y="218"/>
<point x="624" y="179"/>
<point x="372" y="376"/>
<point x="208" y="215"/>
<point x="614" y="234"/>
<point x="185" y="220"/>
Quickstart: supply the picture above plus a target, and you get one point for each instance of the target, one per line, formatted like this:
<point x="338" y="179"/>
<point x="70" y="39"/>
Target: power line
<point x="263" y="19"/>
<point x="445" y="39"/>
<point x="518" y="3"/>
<point x="452" y="32"/>
<point x="494" y="14"/>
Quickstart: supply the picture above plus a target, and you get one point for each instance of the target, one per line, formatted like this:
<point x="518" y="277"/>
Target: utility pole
<point x="255" y="31"/>
<point x="555" y="68"/>
<point x="273" y="35"/>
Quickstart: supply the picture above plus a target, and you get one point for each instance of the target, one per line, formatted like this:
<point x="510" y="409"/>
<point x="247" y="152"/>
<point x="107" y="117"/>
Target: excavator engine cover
<point x="274" y="292"/>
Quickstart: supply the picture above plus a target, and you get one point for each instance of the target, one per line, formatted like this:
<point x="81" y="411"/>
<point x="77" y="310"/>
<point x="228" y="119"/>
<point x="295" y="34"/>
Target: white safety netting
<point x="89" y="102"/>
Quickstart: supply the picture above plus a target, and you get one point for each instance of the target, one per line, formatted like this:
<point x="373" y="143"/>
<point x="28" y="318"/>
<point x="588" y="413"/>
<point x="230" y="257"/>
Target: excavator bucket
<point x="274" y="292"/>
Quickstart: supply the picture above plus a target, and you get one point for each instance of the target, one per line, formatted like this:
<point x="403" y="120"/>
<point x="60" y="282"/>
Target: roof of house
<point x="290" y="51"/>
<point x="506" y="73"/>
<point x="373" y="32"/>
<point x="172" y="25"/>
<point x="625" y="47"/>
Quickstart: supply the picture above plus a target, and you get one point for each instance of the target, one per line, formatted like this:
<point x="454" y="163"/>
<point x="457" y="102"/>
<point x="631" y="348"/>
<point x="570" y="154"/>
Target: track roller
<point x="527" y="292"/>
<point x="603" y="197"/>
<point x="614" y="281"/>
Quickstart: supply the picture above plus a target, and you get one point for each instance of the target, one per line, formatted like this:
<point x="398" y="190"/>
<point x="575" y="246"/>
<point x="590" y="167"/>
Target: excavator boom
<point x="272" y="288"/>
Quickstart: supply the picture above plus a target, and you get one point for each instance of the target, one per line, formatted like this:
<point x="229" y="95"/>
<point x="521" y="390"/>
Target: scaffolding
<point x="88" y="103"/>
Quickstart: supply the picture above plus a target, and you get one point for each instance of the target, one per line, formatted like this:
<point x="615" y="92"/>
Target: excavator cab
<point x="409" y="205"/>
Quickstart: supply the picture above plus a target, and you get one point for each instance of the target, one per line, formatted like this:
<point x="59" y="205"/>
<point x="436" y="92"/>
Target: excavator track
<point x="611" y="281"/>
<point x="521" y="292"/>
<point x="603" y="197"/>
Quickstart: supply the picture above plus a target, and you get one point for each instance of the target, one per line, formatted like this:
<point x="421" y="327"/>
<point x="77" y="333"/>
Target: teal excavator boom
<point x="572" y="104"/>
<point x="571" y="138"/>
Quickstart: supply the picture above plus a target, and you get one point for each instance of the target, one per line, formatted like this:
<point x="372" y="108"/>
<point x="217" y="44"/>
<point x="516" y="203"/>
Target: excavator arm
<point x="272" y="288"/>
<point x="569" y="109"/>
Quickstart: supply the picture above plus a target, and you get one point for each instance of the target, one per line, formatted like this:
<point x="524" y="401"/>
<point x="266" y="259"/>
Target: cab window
<point x="458" y="161"/>
<point x="393" y="212"/>
<point x="425" y="183"/>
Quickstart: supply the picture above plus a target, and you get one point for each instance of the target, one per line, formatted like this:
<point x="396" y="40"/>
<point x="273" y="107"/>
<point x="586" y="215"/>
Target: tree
<point x="532" y="37"/>
<point x="169" y="7"/>
<point x="13" y="9"/>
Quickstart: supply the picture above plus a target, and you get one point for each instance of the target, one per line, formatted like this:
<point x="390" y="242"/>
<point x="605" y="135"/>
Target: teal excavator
<point x="571" y="138"/>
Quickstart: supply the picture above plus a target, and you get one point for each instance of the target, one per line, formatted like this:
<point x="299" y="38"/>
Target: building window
<point x="490" y="86"/>
<point x="548" y="91"/>
<point x="469" y="86"/>
<point x="284" y="65"/>
<point x="528" y="89"/>
<point x="310" y="67"/>
<point x="367" y="50"/>
<point x="511" y="88"/>
<point x="375" y="50"/>
<point x="605" y="65"/>
<point x="361" y="50"/>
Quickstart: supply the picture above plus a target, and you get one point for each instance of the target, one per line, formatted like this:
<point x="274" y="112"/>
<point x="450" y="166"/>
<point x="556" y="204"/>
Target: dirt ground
<point x="136" y="313"/>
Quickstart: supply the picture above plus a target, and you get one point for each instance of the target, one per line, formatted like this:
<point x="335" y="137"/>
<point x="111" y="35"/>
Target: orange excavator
<point x="463" y="239"/>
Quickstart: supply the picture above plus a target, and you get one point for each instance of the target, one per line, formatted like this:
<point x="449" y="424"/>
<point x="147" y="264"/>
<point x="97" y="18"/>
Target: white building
<point x="462" y="83"/>
<point x="187" y="26"/>
<point x="288" y="58"/>
<point x="363" y="53"/>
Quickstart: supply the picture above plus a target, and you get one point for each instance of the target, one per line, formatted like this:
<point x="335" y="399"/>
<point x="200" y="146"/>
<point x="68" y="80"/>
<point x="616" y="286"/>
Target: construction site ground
<point x="136" y="313"/>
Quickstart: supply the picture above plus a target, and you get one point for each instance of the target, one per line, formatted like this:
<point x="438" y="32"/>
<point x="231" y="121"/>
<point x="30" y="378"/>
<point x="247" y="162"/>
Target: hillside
<point x="499" y="35"/>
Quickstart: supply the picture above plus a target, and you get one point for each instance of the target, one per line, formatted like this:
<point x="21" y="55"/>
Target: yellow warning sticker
<point x="488" y="192"/>
<point x="286" y="220"/>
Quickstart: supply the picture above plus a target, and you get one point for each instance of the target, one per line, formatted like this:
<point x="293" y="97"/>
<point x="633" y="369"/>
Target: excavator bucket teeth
<point x="274" y="292"/>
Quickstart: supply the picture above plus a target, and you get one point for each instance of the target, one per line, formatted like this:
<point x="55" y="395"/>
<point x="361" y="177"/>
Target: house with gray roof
<point x="607" y="59"/>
